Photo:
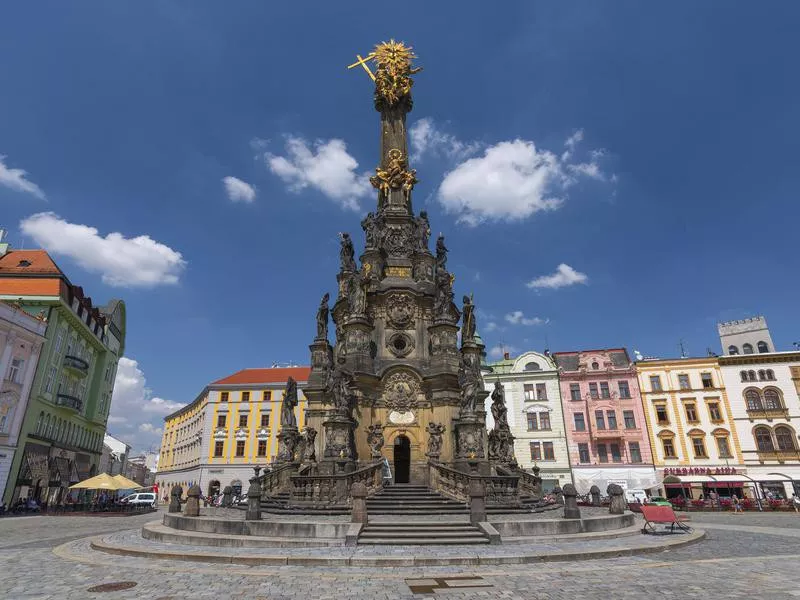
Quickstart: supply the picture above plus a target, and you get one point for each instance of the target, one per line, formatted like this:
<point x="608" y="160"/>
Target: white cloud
<point x="518" y="318"/>
<point x="15" y="179"/>
<point x="122" y="262"/>
<point x="563" y="277"/>
<point x="135" y="412"/>
<point x="490" y="326"/>
<point x="514" y="180"/>
<point x="427" y="138"/>
<point x="498" y="351"/>
<point x="325" y="166"/>
<point x="238" y="190"/>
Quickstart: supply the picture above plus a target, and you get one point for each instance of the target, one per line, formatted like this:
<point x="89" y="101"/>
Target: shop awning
<point x="38" y="466"/>
<point x="771" y="477"/>
<point x="62" y="468"/>
<point x="693" y="478"/>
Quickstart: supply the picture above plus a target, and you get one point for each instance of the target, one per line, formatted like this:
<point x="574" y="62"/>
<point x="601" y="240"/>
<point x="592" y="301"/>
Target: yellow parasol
<point x="127" y="484"/>
<point x="104" y="481"/>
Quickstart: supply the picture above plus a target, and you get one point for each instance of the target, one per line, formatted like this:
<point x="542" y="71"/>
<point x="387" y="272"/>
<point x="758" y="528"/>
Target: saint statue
<point x="422" y="231"/>
<point x="470" y="384"/>
<point x="435" y="431"/>
<point x="346" y="253"/>
<point x="357" y="294"/>
<point x="499" y="410"/>
<point x="342" y="394"/>
<point x="288" y="404"/>
<point x="375" y="439"/>
<point x="370" y="226"/>
<point x="441" y="254"/>
<point x="322" y="318"/>
<point x="444" y="297"/>
<point x="468" y="324"/>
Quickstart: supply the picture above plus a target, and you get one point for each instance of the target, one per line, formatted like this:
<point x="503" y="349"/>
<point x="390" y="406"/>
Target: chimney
<point x="506" y="356"/>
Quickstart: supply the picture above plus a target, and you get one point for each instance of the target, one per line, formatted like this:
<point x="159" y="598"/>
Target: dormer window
<point x="595" y="365"/>
<point x="532" y="366"/>
<point x="24" y="263"/>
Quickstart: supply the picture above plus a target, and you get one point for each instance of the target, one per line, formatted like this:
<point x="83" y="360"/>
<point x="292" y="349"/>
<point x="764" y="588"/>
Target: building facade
<point x="114" y="459"/>
<point x="21" y="339"/>
<point x="695" y="444"/>
<point x="231" y="427"/>
<point x="747" y="336"/>
<point x="533" y="400"/>
<point x="605" y="423"/>
<point x="61" y="437"/>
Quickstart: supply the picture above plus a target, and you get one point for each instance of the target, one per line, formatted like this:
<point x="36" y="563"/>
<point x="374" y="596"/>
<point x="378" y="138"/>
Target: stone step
<point x="425" y="541"/>
<point x="417" y="531"/>
<point x="419" y="511"/>
<point x="429" y="501"/>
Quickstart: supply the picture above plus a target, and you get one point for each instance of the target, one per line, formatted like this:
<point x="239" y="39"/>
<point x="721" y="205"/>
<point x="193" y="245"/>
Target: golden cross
<point x="363" y="63"/>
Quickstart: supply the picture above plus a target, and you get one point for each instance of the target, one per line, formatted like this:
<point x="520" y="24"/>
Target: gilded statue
<point x="396" y="175"/>
<point x="393" y="74"/>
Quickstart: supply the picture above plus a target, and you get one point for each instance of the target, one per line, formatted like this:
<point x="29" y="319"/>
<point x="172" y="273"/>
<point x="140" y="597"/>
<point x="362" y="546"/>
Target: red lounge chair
<point x="656" y="515"/>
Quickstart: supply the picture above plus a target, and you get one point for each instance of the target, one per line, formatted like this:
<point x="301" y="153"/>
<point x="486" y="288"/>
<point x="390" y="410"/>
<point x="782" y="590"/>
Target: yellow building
<point x="231" y="427"/>
<point x="691" y="428"/>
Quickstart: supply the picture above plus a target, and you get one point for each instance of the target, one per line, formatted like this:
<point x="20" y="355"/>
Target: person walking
<point x="737" y="506"/>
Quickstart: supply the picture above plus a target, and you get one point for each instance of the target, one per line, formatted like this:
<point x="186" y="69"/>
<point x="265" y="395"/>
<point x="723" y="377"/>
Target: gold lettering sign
<point x="398" y="272"/>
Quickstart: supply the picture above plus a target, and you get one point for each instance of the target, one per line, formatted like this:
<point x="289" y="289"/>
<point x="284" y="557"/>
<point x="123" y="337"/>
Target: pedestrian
<point x="796" y="503"/>
<point x="737" y="507"/>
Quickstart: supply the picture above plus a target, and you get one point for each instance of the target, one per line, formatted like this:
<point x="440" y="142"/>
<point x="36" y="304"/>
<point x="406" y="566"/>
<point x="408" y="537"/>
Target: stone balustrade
<point x="331" y="490"/>
<point x="501" y="490"/>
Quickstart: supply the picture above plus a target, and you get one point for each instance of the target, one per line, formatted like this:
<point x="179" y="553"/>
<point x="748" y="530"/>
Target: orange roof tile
<point x="29" y="286"/>
<point x="256" y="376"/>
<point x="40" y="263"/>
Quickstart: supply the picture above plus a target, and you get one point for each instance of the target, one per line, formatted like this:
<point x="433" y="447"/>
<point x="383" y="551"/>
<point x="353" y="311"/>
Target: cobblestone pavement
<point x="743" y="557"/>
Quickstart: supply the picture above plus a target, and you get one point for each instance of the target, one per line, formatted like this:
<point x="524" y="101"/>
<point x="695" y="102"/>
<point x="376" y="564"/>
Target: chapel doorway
<point x="402" y="459"/>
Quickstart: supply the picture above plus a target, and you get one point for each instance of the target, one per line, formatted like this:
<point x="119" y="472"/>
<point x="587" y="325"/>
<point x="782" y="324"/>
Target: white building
<point x="115" y="455"/>
<point x="533" y="399"/>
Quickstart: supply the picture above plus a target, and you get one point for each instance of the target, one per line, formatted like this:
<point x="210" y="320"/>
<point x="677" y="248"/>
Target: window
<point x="602" y="453"/>
<point x="536" y="451"/>
<point x="604" y="391"/>
<point x="14" y="370"/>
<point x="772" y="400"/>
<point x="265" y="420"/>
<point x="714" y="412"/>
<point x="747" y="348"/>
<point x="770" y="375"/>
<point x="753" y="400"/>
<point x="655" y="383"/>
<point x="762" y="347"/>
<point x="683" y="382"/>
<point x="743" y="375"/>
<point x="262" y="447"/>
<point x="707" y="380"/>
<point x="599" y="419"/>
<point x="699" y="447"/>
<point x="532" y="366"/>
<point x="593" y="390"/>
<point x="580" y="422"/>
<point x="764" y="440"/>
<point x="624" y="390"/>
<point x="733" y="350"/>
<point x="529" y="391"/>
<point x="240" y="448"/>
<point x="266" y="396"/>
<point x="723" y="447"/>
<point x="224" y="397"/>
<point x="533" y="422"/>
<point x="541" y="391"/>
<point x="583" y="453"/>
<point x="751" y="375"/>
<point x="547" y="448"/>
<point x="221" y="420"/>
<point x="544" y="421"/>
<point x="662" y="417"/>
<point x="575" y="391"/>
<point x="218" y="448"/>
<point x="242" y="420"/>
<point x="245" y="396"/>
<point x="691" y="412"/>
<point x="52" y="374"/>
<point x="40" y="423"/>
<point x="635" y="452"/>
<point x="761" y="375"/>
<point x="630" y="419"/>
<point x="615" y="453"/>
<point x="59" y="340"/>
<point x="611" y="417"/>
<point x="784" y="438"/>
<point x="669" y="448"/>
<point x="595" y="365"/>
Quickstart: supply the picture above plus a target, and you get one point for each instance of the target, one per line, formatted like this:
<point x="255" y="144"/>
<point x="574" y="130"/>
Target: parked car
<point x="659" y="501"/>
<point x="141" y="499"/>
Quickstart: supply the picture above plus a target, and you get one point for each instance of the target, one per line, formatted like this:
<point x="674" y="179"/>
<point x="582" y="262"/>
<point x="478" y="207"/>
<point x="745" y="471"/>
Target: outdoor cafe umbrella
<point x="104" y="481"/>
<point x="127" y="484"/>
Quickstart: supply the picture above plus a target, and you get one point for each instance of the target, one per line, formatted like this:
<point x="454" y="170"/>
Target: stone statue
<point x="375" y="439"/>
<point x="468" y="324"/>
<point x="435" y="431"/>
<point x="470" y="384"/>
<point x="340" y="351"/>
<point x="309" y="453"/>
<point x="347" y="253"/>
<point x="357" y="294"/>
<point x="499" y="410"/>
<point x="422" y="231"/>
<point x="342" y="394"/>
<point x="444" y="297"/>
<point x="289" y="403"/>
<point x="322" y="318"/>
<point x="441" y="254"/>
<point x="370" y="225"/>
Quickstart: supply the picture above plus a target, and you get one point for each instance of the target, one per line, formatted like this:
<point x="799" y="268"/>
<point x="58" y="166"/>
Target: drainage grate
<point x="113" y="587"/>
<point x="429" y="585"/>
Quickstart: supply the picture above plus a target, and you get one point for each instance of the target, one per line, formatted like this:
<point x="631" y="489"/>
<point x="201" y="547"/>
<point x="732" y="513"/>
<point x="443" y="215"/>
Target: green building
<point x="61" y="437"/>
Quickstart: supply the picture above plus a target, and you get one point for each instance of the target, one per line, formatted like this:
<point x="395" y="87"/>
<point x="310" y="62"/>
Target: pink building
<point x="606" y="430"/>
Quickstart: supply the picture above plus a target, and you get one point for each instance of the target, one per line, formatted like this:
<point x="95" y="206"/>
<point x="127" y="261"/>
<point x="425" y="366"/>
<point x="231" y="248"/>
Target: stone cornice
<point x="759" y="359"/>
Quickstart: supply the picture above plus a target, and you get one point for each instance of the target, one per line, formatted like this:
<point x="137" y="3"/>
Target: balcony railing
<point x="766" y="413"/>
<point x="779" y="455"/>
<point x="77" y="366"/>
<point x="68" y="401"/>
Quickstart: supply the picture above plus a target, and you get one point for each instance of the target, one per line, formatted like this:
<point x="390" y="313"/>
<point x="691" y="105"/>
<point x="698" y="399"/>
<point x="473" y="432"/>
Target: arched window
<point x="762" y="347"/>
<point x="753" y="400"/>
<point x="772" y="399"/>
<point x="770" y="375"/>
<point x="761" y="375"/>
<point x="784" y="437"/>
<point x="532" y="366"/>
<point x="747" y="348"/>
<point x="40" y="423"/>
<point x="764" y="439"/>
<point x="733" y="350"/>
<point x="595" y="365"/>
<point x="47" y="426"/>
<point x="752" y="375"/>
<point x="743" y="375"/>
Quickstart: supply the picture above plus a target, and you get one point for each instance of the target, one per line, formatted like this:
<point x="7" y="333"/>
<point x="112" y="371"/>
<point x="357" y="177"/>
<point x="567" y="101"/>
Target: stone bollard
<point x="175" y="499"/>
<point x="192" y="508"/>
<point x="571" y="510"/>
<point x="254" y="500"/>
<point x="359" y="493"/>
<point x="477" y="501"/>
<point x="617" y="499"/>
<point x="595" y="493"/>
<point x="227" y="496"/>
<point x="559" y="494"/>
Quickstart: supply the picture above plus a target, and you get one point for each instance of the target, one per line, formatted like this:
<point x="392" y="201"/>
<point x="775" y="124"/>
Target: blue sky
<point x="652" y="150"/>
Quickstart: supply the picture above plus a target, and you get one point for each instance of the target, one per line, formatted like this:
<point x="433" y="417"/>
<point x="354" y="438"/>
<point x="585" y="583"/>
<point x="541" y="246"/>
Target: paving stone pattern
<point x="742" y="557"/>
